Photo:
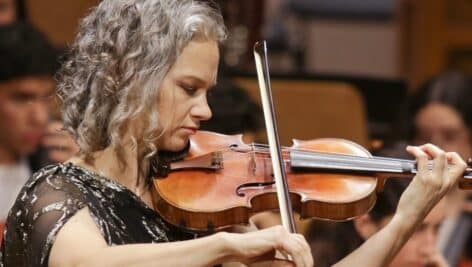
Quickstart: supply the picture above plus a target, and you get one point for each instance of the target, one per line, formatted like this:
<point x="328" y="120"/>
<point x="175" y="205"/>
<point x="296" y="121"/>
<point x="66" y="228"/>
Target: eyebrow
<point x="197" y="80"/>
<point x="31" y="92"/>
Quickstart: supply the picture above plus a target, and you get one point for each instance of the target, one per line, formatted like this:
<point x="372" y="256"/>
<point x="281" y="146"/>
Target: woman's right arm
<point x="79" y="243"/>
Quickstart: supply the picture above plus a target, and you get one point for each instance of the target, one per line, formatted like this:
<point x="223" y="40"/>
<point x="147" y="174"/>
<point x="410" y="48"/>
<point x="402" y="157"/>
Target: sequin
<point x="55" y="193"/>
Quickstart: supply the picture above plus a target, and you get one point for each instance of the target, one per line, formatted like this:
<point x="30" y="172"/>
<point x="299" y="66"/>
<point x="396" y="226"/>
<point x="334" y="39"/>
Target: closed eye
<point x="189" y="89"/>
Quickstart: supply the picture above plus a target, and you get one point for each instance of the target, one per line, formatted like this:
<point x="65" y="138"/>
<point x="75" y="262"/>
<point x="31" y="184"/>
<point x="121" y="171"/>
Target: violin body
<point x="223" y="181"/>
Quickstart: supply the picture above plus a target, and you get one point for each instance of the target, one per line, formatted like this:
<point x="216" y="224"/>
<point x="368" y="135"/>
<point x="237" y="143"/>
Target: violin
<point x="223" y="181"/>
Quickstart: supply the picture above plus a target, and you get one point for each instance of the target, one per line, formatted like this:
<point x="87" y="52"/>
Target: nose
<point x="39" y="113"/>
<point x="201" y="110"/>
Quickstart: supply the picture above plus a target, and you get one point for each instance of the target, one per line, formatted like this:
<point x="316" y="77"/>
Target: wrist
<point x="227" y="246"/>
<point x="402" y="225"/>
<point x="414" y="206"/>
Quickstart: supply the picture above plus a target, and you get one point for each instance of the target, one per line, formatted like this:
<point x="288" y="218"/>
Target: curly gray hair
<point x="122" y="52"/>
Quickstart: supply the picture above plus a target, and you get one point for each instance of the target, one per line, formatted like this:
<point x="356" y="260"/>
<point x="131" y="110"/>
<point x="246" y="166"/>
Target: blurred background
<point x="376" y="52"/>
<point x="382" y="73"/>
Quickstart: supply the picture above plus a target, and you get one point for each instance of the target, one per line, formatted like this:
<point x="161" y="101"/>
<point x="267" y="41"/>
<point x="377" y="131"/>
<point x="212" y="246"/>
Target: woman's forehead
<point x="199" y="59"/>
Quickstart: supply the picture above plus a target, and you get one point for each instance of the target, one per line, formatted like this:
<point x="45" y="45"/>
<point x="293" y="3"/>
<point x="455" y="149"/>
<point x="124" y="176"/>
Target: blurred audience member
<point x="27" y="66"/>
<point x="333" y="241"/>
<point x="441" y="113"/>
<point x="12" y="11"/>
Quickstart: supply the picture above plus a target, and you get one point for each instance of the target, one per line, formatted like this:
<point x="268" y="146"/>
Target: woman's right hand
<point x="261" y="245"/>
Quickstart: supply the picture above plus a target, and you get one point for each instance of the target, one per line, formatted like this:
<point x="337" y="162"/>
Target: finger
<point x="431" y="150"/>
<point x="272" y="263"/>
<point x="439" y="161"/>
<point x="54" y="127"/>
<point x="62" y="143"/>
<point x="294" y="245"/>
<point x="306" y="250"/>
<point x="59" y="141"/>
<point x="456" y="161"/>
<point x="268" y="256"/>
<point x="56" y="155"/>
<point x="457" y="167"/>
<point x="421" y="158"/>
<point x="56" y="132"/>
<point x="293" y="248"/>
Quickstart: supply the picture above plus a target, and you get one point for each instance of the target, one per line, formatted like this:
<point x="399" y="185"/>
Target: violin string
<point x="262" y="148"/>
<point x="334" y="162"/>
<point x="259" y="153"/>
<point x="337" y="158"/>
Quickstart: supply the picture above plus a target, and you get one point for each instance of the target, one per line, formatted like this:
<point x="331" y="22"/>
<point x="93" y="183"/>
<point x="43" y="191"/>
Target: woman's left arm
<point x="423" y="193"/>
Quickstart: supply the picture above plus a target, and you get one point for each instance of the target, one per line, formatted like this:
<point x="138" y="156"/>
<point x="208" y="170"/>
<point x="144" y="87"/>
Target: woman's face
<point x="183" y="94"/>
<point x="443" y="126"/>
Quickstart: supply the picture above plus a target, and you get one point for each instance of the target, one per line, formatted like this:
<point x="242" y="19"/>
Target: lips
<point x="191" y="130"/>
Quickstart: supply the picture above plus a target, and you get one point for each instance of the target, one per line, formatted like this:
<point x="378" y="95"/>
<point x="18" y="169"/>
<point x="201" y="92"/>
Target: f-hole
<point x="252" y="185"/>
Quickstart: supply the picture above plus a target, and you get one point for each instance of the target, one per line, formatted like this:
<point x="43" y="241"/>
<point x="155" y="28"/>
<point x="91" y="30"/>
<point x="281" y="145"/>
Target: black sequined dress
<point x="55" y="193"/>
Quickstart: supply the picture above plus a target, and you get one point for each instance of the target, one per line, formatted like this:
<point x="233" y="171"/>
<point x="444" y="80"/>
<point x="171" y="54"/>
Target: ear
<point x="365" y="226"/>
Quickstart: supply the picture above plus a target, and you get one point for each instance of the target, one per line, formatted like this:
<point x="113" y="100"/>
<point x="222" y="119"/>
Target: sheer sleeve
<point x="43" y="206"/>
<point x="54" y="194"/>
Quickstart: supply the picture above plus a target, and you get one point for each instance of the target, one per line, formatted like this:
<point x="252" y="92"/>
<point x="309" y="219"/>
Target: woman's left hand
<point x="431" y="183"/>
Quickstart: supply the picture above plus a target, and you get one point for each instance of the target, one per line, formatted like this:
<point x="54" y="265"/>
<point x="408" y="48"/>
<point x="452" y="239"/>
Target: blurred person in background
<point x="440" y="112"/>
<point x="332" y="241"/>
<point x="93" y="210"/>
<point x="28" y="138"/>
<point x="12" y="11"/>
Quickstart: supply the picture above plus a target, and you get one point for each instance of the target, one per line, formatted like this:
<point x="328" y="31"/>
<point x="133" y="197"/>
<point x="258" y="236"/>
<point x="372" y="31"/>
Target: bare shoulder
<point x="78" y="238"/>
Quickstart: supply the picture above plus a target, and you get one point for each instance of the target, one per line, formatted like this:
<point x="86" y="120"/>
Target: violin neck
<point x="330" y="162"/>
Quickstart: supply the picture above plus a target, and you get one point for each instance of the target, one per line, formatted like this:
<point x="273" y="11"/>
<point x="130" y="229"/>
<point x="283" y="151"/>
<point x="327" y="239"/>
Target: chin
<point x="177" y="145"/>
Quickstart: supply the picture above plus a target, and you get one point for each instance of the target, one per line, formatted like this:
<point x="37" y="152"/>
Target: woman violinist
<point x="134" y="89"/>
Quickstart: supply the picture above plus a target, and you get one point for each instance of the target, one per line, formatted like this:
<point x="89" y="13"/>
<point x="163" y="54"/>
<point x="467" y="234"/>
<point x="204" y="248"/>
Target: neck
<point x="107" y="163"/>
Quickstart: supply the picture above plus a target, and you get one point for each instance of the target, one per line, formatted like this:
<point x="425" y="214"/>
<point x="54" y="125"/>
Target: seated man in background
<point x="28" y="137"/>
